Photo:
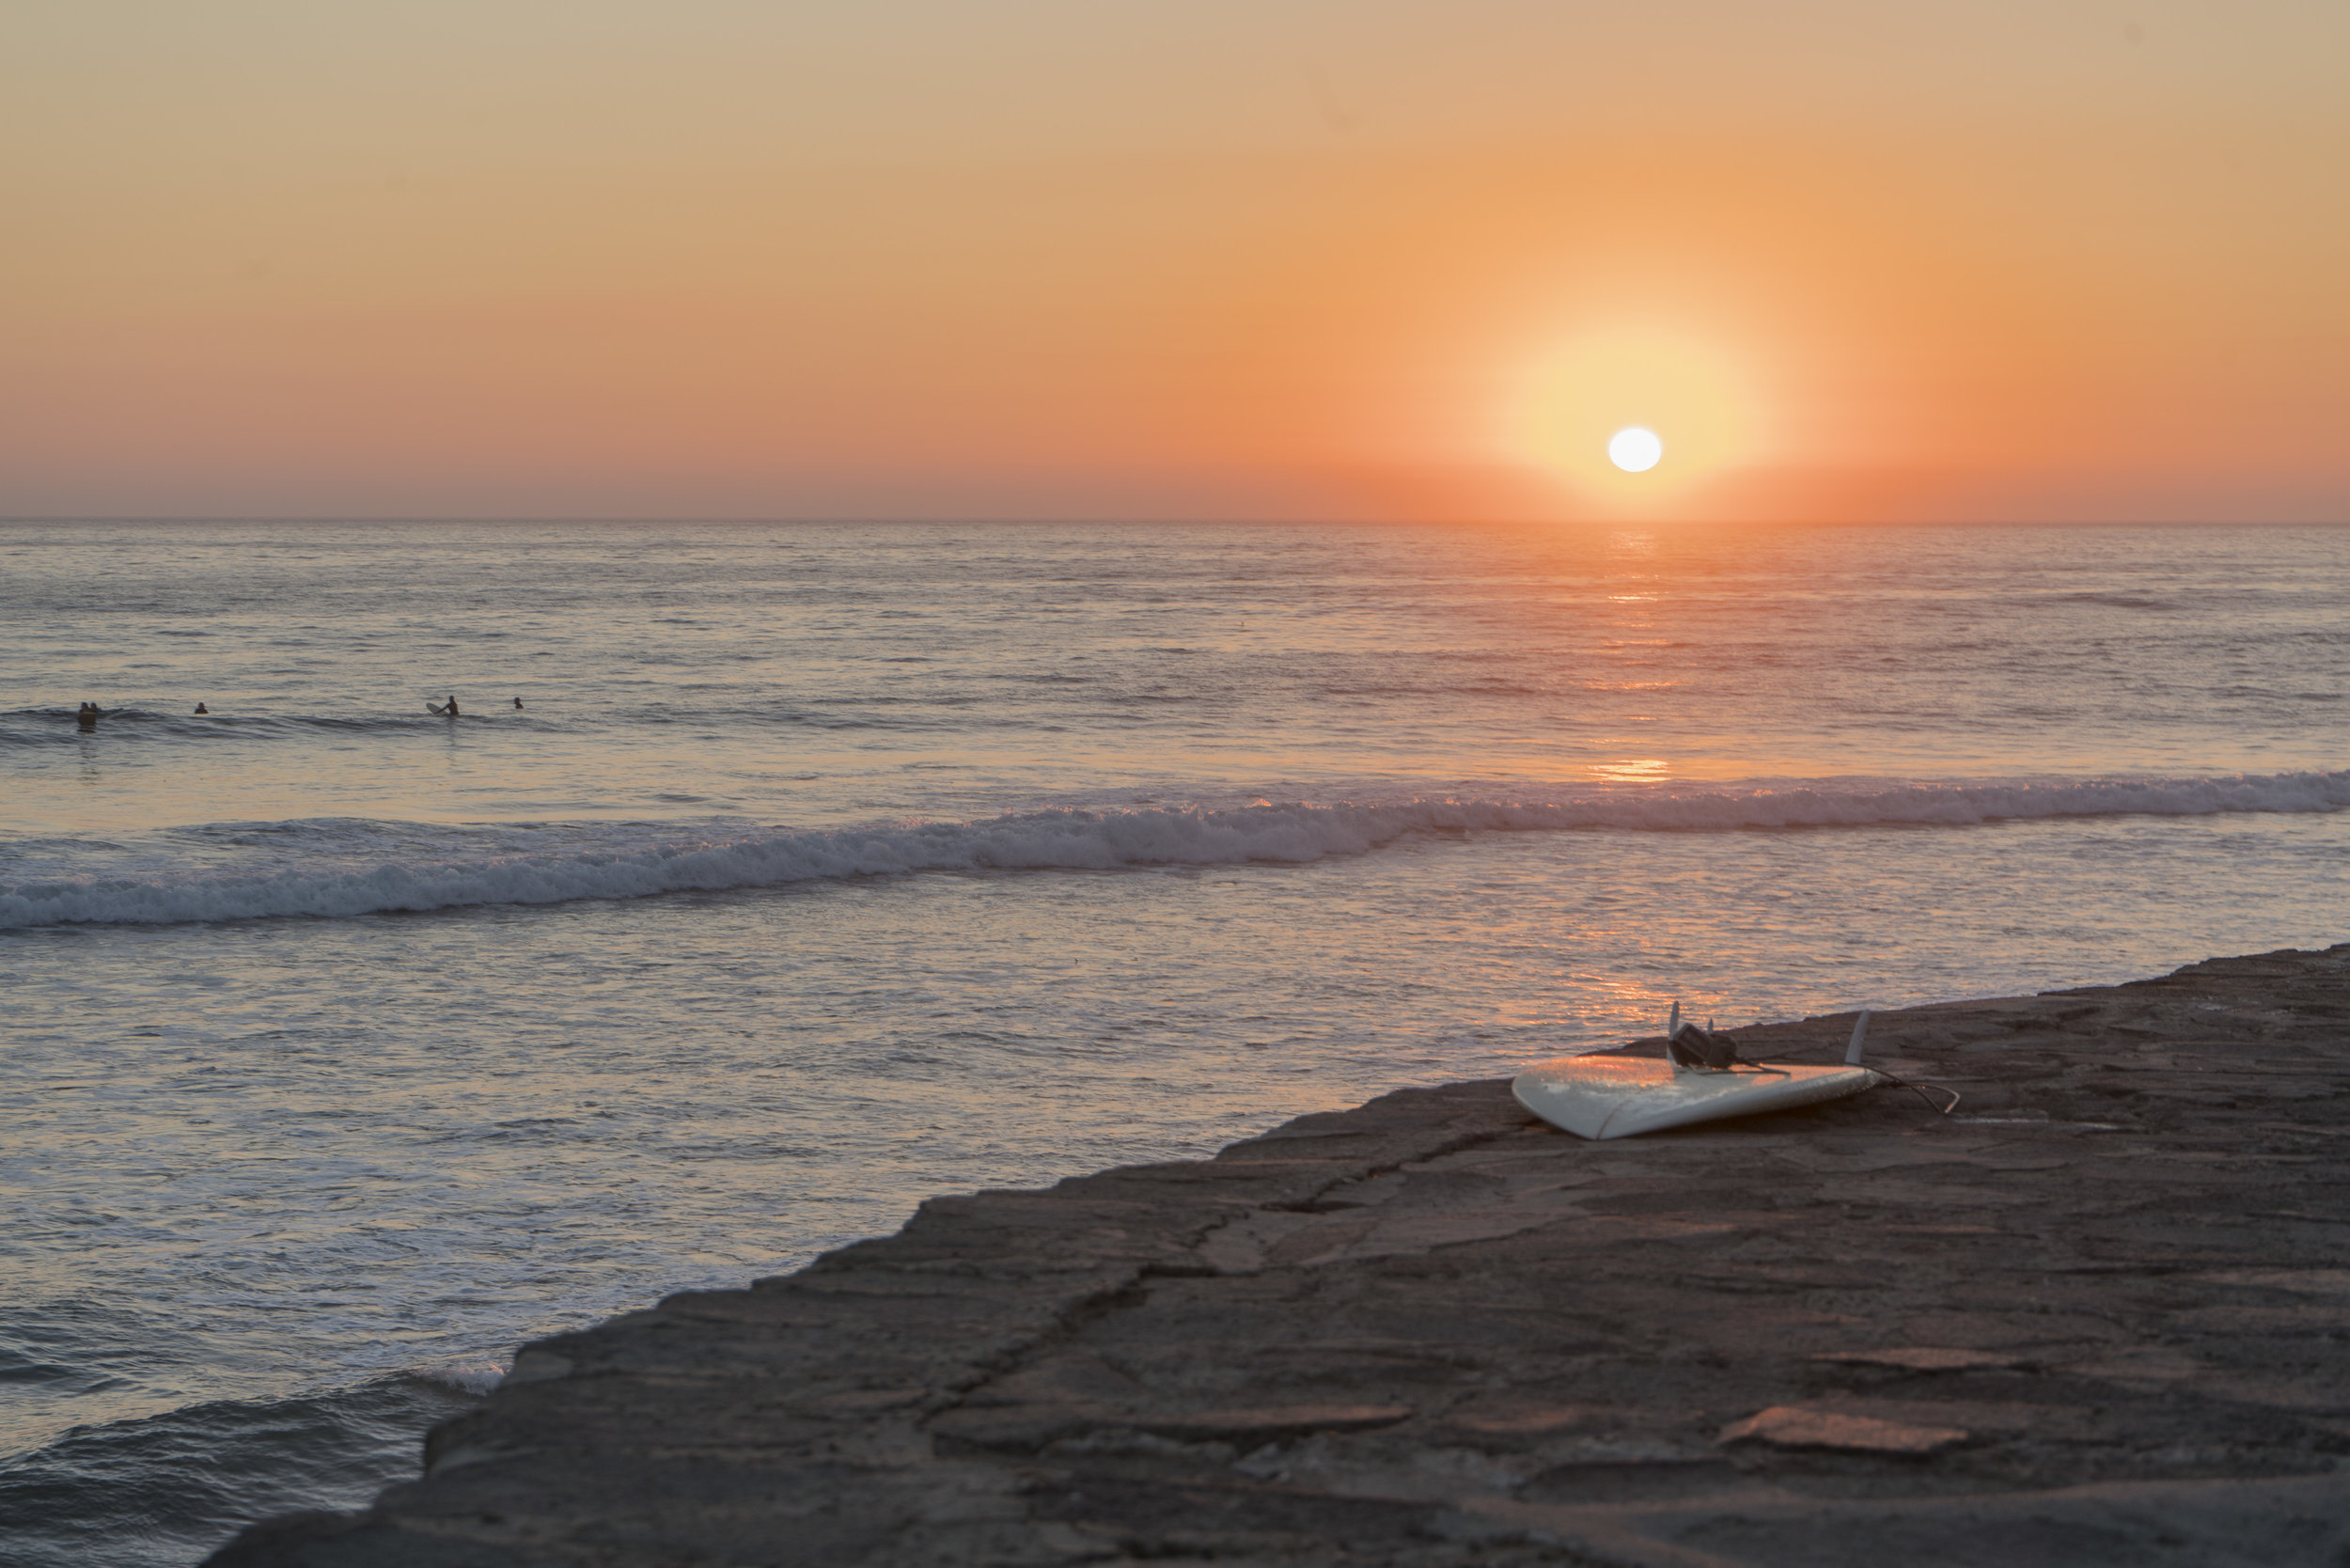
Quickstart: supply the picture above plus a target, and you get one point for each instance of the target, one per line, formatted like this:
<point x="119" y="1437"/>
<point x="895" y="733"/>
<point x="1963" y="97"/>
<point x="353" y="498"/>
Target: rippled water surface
<point x="827" y="867"/>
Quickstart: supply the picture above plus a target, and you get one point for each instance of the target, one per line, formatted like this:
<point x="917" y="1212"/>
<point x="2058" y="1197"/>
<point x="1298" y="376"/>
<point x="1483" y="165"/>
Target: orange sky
<point x="1370" y="259"/>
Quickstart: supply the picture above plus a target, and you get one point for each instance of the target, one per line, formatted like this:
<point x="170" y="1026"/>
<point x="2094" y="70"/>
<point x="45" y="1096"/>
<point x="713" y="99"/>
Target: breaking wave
<point x="409" y="872"/>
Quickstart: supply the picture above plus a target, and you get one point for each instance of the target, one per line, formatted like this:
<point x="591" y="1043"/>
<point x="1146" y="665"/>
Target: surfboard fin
<point x="1859" y="1038"/>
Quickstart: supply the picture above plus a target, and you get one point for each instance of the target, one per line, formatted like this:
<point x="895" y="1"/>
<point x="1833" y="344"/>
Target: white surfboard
<point x="1610" y="1096"/>
<point x="1618" y="1096"/>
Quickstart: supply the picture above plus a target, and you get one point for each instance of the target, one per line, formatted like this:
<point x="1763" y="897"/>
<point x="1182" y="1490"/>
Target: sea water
<point x="820" y="869"/>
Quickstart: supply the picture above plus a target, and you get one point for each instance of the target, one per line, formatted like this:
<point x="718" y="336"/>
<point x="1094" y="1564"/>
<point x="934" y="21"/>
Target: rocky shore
<point x="2099" y="1314"/>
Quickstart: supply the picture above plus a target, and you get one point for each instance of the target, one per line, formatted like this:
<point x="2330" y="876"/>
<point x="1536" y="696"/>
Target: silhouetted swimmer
<point x="517" y="702"/>
<point x="88" y="714"/>
<point x="451" y="709"/>
<point x="201" y="709"/>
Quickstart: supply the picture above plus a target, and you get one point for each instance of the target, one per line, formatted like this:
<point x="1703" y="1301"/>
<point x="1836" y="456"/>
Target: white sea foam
<point x="466" y="1377"/>
<point x="413" y="877"/>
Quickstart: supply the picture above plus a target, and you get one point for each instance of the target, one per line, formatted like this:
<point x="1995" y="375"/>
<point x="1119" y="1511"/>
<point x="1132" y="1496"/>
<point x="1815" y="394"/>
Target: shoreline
<point x="2099" y="1314"/>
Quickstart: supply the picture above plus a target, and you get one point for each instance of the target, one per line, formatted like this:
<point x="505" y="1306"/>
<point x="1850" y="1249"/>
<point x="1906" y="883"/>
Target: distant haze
<point x="1055" y="258"/>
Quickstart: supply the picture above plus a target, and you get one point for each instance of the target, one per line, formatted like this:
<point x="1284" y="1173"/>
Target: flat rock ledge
<point x="2101" y="1315"/>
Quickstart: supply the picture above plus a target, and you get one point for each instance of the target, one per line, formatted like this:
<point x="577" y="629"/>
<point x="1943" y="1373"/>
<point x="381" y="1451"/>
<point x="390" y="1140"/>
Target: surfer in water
<point x="451" y="709"/>
<point x="518" y="704"/>
<point x="201" y="709"/>
<point x="88" y="714"/>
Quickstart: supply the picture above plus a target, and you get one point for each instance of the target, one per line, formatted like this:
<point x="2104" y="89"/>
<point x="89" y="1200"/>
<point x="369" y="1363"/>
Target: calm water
<point x="827" y="868"/>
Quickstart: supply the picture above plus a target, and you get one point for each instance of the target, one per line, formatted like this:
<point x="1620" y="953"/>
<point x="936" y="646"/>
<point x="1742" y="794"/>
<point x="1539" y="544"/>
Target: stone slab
<point x="2098" y="1316"/>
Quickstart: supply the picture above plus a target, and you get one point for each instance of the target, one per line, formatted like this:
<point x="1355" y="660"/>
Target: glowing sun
<point x="1634" y="449"/>
<point x="1587" y="411"/>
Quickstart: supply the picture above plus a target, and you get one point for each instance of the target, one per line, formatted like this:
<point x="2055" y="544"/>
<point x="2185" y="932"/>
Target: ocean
<point x="776" y="877"/>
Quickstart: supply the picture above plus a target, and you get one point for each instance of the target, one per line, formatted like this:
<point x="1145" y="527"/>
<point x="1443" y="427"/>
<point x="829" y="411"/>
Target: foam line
<point x="407" y="872"/>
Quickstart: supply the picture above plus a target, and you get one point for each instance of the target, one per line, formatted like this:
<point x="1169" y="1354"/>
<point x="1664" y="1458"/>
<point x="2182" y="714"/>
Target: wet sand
<point x="2100" y="1314"/>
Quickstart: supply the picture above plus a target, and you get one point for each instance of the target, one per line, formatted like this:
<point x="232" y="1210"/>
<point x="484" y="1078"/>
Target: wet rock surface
<point x="2100" y="1314"/>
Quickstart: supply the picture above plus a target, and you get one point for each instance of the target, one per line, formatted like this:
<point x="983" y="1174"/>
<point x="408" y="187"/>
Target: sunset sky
<point x="1995" y="260"/>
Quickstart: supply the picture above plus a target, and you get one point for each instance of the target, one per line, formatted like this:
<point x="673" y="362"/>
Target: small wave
<point x="411" y="872"/>
<point x="1463" y="688"/>
<point x="34" y="724"/>
<point x="170" y="1487"/>
<point x="2119" y="600"/>
<point x="476" y="1378"/>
